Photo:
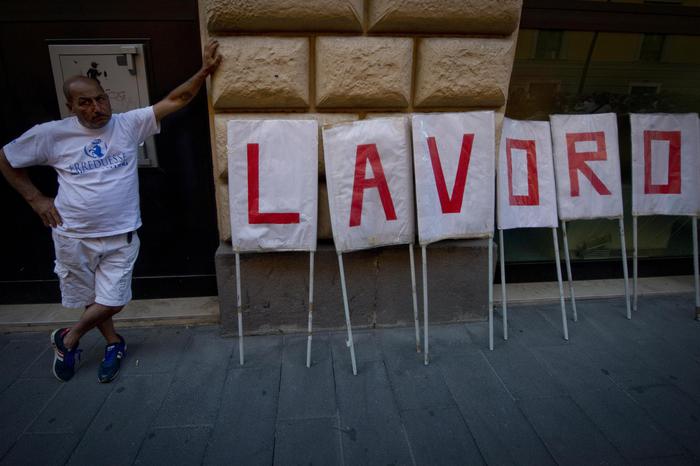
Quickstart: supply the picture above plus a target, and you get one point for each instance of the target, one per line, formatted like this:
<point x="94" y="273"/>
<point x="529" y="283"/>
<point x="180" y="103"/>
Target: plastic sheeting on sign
<point x="665" y="164"/>
<point x="526" y="190"/>
<point x="273" y="184"/>
<point x="587" y="166"/>
<point x="454" y="159"/>
<point x="369" y="178"/>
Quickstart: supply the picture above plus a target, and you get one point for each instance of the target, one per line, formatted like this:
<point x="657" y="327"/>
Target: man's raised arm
<point x="19" y="179"/>
<point x="185" y="92"/>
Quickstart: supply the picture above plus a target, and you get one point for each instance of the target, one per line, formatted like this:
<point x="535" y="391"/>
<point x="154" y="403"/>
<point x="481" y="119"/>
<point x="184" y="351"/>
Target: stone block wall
<point x="344" y="60"/>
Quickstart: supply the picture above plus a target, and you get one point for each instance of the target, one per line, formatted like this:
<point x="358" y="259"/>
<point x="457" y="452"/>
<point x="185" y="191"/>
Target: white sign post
<point x="587" y="169"/>
<point x="453" y="157"/>
<point x="273" y="194"/>
<point x="665" y="174"/>
<point x="370" y="193"/>
<point x="526" y="193"/>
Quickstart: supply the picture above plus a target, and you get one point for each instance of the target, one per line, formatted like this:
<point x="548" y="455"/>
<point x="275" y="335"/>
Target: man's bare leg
<point x="106" y="327"/>
<point x="95" y="315"/>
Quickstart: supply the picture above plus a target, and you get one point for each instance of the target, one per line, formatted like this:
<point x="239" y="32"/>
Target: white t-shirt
<point x="98" y="193"/>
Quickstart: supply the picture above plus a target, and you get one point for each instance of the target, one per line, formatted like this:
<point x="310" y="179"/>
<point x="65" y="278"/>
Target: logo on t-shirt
<point x="96" y="149"/>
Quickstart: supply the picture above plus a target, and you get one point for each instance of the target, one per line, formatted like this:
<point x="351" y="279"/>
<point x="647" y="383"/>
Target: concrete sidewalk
<point x="619" y="392"/>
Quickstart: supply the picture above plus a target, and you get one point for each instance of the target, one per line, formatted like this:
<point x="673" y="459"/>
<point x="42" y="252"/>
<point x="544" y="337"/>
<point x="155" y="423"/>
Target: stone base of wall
<point x="275" y="287"/>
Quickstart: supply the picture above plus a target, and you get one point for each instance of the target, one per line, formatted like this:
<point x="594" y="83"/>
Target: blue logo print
<point x="96" y="149"/>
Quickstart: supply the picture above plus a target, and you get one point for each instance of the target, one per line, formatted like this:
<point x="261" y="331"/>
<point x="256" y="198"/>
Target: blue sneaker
<point x="64" y="359"/>
<point x="109" y="367"/>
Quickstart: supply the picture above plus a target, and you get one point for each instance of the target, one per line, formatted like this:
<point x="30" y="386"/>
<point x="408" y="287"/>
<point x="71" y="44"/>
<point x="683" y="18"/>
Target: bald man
<point x="95" y="214"/>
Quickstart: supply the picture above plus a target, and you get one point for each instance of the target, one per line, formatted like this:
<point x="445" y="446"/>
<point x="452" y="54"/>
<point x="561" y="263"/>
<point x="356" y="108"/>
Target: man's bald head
<point x="88" y="101"/>
<point x="78" y="80"/>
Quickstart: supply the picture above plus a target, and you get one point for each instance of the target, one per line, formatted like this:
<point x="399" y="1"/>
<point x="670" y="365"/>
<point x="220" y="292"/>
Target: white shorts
<point x="95" y="270"/>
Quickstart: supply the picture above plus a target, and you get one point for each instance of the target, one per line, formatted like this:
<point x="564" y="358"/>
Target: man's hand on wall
<point x="211" y="58"/>
<point x="185" y="92"/>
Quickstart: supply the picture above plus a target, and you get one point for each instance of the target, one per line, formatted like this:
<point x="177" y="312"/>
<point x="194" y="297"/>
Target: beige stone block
<point x="445" y="16"/>
<point x="363" y="71"/>
<point x="220" y="120"/>
<point x="262" y="72"/>
<point x="468" y="72"/>
<point x="284" y="15"/>
<point x="223" y="214"/>
<point x="324" y="214"/>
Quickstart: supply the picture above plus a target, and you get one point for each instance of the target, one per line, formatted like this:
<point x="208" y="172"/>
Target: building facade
<point x="344" y="60"/>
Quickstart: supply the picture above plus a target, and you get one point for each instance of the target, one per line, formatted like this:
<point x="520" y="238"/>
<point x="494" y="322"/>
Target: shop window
<point x="652" y="47"/>
<point x="619" y="83"/>
<point x="549" y="44"/>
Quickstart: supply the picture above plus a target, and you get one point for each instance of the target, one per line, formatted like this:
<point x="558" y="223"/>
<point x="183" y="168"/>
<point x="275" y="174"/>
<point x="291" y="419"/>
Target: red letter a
<point x="451" y="204"/>
<point x="577" y="161"/>
<point x="255" y="217"/>
<point x="369" y="152"/>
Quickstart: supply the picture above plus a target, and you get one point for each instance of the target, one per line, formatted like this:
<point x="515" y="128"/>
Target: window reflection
<point x="599" y="72"/>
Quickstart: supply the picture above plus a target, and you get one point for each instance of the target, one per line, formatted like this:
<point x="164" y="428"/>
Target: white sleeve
<point x="31" y="148"/>
<point x="141" y="123"/>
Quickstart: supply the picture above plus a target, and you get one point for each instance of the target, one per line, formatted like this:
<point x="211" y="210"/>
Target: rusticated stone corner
<point x="221" y="119"/>
<point x="363" y="72"/>
<point x="223" y="211"/>
<point x="284" y="15"/>
<point x="262" y="72"/>
<point x="469" y="72"/>
<point x="445" y="16"/>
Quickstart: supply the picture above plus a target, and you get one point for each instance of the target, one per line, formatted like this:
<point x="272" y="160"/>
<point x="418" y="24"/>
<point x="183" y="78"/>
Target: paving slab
<point x="44" y="449"/>
<point x="522" y="373"/>
<point x="416" y="385"/>
<point x="674" y="411"/>
<point x="125" y="418"/>
<point x="568" y="433"/>
<point x="259" y="351"/>
<point x="573" y="370"/>
<point x="626" y="424"/>
<point x="623" y="365"/>
<point x="61" y="416"/>
<point x="178" y="445"/>
<point x="503" y="434"/>
<point x="308" y="441"/>
<point x="20" y="403"/>
<point x="367" y="348"/>
<point x="370" y="422"/>
<point x="194" y="395"/>
<point x="529" y="326"/>
<point x="15" y="357"/>
<point x="244" y="432"/>
<point x="450" y="340"/>
<point x="667" y="461"/>
<point x="440" y="436"/>
<point x="154" y="350"/>
<point x="306" y="392"/>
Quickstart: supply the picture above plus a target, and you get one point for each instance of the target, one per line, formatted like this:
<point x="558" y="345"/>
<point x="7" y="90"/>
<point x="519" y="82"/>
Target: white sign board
<point x="273" y="184"/>
<point x="369" y="178"/>
<point x="587" y="166"/>
<point x="665" y="164"/>
<point x="526" y="190"/>
<point x="455" y="175"/>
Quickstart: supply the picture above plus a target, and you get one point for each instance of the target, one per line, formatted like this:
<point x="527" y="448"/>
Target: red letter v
<point x="451" y="204"/>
